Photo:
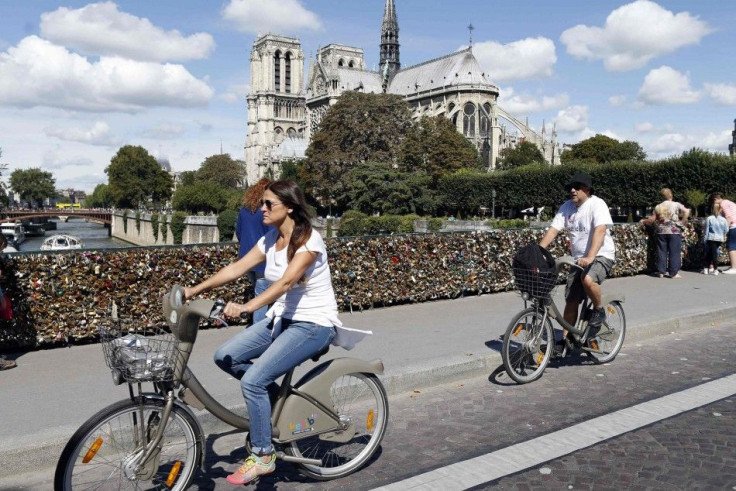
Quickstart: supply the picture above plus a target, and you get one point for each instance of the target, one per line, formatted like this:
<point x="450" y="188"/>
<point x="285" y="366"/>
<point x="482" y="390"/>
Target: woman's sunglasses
<point x="268" y="203"/>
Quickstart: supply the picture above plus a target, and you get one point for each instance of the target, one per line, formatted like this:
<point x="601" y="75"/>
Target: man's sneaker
<point x="712" y="271"/>
<point x="729" y="271"/>
<point x="561" y="348"/>
<point x="252" y="468"/>
<point x="597" y="317"/>
<point x="715" y="272"/>
<point x="705" y="271"/>
<point x="7" y="364"/>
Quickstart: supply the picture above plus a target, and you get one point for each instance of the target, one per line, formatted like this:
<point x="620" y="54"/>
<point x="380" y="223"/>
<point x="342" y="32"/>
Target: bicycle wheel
<point x="607" y="342"/>
<point x="360" y="400"/>
<point x="527" y="346"/>
<point x="101" y="453"/>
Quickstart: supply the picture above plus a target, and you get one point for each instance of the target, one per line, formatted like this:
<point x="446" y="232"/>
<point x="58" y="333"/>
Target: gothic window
<point x="485" y="120"/>
<point x="277" y="71"/>
<point x="341" y="62"/>
<point x="279" y="134"/>
<point x="351" y="64"/>
<point x="287" y="70"/>
<point x="291" y="133"/>
<point x="469" y="119"/>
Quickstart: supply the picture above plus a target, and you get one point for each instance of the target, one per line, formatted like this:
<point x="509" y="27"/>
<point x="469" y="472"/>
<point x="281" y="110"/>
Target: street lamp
<point x="493" y="208"/>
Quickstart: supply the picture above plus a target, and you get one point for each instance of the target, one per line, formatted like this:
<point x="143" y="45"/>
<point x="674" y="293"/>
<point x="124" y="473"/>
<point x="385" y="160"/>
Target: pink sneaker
<point x="252" y="468"/>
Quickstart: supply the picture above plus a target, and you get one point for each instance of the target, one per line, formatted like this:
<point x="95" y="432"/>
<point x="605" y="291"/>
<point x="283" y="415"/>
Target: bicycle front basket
<point x="149" y="355"/>
<point x="536" y="282"/>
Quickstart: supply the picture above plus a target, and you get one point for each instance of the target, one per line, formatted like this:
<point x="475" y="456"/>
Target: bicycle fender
<point x="607" y="298"/>
<point x="199" y="435"/>
<point x="301" y="417"/>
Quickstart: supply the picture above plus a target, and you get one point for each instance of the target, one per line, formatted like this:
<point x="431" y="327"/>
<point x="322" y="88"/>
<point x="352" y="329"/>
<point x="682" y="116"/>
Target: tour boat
<point x="14" y="232"/>
<point x="61" y="242"/>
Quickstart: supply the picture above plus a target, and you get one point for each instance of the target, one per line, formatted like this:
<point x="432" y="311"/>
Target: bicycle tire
<point x="361" y="399"/>
<point x="608" y="341"/>
<point x="527" y="346"/>
<point x="115" y="428"/>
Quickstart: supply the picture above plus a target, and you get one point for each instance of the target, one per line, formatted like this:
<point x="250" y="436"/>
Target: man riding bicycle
<point x="587" y="221"/>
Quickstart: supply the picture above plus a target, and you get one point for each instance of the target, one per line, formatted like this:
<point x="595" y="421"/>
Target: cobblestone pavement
<point x="436" y="427"/>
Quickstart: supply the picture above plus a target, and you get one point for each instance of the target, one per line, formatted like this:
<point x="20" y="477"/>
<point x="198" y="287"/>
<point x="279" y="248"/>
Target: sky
<point x="78" y="80"/>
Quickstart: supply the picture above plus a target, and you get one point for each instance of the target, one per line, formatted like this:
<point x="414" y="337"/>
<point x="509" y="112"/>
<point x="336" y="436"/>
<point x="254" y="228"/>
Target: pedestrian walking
<point x="728" y="211"/>
<point x="249" y="228"/>
<point x="6" y="309"/>
<point x="714" y="233"/>
<point x="669" y="218"/>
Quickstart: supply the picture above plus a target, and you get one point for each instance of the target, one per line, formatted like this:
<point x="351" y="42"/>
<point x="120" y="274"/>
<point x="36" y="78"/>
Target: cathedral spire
<point x="390" y="63"/>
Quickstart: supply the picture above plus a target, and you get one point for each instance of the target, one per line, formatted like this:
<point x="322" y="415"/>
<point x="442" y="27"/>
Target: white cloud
<point x="572" y="119"/>
<point x="235" y="93"/>
<point x="101" y="29"/>
<point x="665" y="85"/>
<point x="676" y="143"/>
<point x="526" y="58"/>
<point x="39" y="73"/>
<point x="634" y="34"/>
<point x="527" y="104"/>
<point x="617" y="100"/>
<point x="164" y="131"/>
<point x="724" y="94"/>
<point x="98" y="134"/>
<point x="648" y="127"/>
<point x="262" y="16"/>
<point x="53" y="160"/>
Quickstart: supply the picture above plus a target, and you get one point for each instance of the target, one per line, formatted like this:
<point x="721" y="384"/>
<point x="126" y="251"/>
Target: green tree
<point x="33" y="185"/>
<point x="200" y="197"/>
<point x="358" y="128"/>
<point x="523" y="154"/>
<point x="602" y="149"/>
<point x="188" y="177"/>
<point x="135" y="178"/>
<point x="433" y="145"/>
<point x="100" y="197"/>
<point x="3" y="195"/>
<point x="222" y="170"/>
<point x="696" y="199"/>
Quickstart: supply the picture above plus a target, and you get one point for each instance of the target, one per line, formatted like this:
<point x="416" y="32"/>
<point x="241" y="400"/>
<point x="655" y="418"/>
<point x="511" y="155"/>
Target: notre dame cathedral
<point x="282" y="114"/>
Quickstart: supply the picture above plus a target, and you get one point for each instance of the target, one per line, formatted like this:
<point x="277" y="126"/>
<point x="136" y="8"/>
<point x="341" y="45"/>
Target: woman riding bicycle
<point x="301" y="323"/>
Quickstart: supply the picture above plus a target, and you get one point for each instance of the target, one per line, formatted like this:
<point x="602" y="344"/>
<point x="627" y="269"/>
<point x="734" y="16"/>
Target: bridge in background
<point x="99" y="216"/>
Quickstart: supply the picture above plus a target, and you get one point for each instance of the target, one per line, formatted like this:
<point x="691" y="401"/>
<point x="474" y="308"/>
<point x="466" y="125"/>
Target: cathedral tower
<point x="276" y="109"/>
<point x="390" y="63"/>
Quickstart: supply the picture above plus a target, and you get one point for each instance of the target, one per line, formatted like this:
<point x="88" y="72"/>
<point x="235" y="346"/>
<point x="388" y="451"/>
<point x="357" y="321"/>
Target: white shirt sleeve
<point x="601" y="214"/>
<point x="558" y="222"/>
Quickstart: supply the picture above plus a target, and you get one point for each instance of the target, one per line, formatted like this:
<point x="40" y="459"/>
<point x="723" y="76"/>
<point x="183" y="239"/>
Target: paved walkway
<point x="53" y="391"/>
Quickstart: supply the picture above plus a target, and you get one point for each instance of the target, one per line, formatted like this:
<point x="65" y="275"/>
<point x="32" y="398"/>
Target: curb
<point x="454" y="368"/>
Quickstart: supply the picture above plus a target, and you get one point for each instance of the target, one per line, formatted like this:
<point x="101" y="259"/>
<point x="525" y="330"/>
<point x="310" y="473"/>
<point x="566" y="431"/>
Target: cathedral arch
<point x="291" y="133"/>
<point x="277" y="70"/>
<point x="287" y="70"/>
<point x="279" y="134"/>
<point x="341" y="62"/>
<point x="469" y="117"/>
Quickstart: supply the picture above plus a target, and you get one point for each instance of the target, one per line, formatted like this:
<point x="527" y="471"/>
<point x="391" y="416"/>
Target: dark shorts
<point x="731" y="239"/>
<point x="598" y="271"/>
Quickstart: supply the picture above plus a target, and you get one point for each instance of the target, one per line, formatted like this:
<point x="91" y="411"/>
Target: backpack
<point x="534" y="270"/>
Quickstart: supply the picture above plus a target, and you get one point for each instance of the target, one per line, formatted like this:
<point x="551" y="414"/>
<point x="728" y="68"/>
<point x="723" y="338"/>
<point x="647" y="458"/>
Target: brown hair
<point x="293" y="197"/>
<point x="253" y="195"/>
<point x="666" y="193"/>
<point x="3" y="242"/>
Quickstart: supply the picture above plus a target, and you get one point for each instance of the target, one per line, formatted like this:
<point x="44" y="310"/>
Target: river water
<point x="93" y="236"/>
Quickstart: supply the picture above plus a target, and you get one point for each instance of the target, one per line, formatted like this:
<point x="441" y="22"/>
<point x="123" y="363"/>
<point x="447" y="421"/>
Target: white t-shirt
<point x="579" y="223"/>
<point x="313" y="301"/>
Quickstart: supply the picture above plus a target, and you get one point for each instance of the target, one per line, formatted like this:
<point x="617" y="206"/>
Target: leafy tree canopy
<point x="433" y="145"/>
<point x="34" y="185"/>
<point x="188" y="177"/>
<point x="358" y="128"/>
<point x="202" y="196"/>
<point x="222" y="170"/>
<point x="603" y="149"/>
<point x="135" y="178"/>
<point x="523" y="154"/>
<point x="100" y="197"/>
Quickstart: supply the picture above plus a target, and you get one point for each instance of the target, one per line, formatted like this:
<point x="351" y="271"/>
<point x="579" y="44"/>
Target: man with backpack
<point x="586" y="220"/>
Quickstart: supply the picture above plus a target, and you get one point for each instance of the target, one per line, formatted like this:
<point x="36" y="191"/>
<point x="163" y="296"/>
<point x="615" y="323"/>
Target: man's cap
<point x="582" y="178"/>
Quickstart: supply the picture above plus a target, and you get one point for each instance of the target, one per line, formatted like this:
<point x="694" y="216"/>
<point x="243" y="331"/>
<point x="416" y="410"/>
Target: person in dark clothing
<point x="248" y="230"/>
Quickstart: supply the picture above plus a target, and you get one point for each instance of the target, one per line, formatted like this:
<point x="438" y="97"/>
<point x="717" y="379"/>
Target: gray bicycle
<point x="329" y="424"/>
<point x="528" y="344"/>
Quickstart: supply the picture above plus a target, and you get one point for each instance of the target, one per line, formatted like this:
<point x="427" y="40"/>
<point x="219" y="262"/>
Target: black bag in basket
<point x="534" y="270"/>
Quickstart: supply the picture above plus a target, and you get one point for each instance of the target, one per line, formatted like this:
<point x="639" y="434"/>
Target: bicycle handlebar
<point x="566" y="261"/>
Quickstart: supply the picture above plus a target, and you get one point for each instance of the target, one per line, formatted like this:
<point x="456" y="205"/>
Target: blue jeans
<point x="297" y="342"/>
<point x="260" y="284"/>
<point x="669" y="248"/>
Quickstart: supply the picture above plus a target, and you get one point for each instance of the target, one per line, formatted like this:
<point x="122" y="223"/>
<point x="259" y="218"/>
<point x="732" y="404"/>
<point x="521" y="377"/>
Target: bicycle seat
<point x="321" y="353"/>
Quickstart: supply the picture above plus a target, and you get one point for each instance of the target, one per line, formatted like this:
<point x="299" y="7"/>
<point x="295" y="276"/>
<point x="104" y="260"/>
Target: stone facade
<point x="732" y="146"/>
<point x="454" y="86"/>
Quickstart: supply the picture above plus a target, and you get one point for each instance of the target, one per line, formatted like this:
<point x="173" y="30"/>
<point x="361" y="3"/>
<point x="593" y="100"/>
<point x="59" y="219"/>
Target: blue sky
<point x="79" y="79"/>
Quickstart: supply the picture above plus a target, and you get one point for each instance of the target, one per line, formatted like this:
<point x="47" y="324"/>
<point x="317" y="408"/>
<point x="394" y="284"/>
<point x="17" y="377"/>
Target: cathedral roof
<point x="459" y="68"/>
<point x="353" y="79"/>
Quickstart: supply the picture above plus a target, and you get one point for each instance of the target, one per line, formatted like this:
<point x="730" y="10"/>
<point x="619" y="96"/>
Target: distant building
<point x="282" y="116"/>
<point x="732" y="146"/>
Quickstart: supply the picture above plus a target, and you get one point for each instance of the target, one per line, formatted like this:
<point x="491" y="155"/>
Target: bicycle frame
<point x="312" y="391"/>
